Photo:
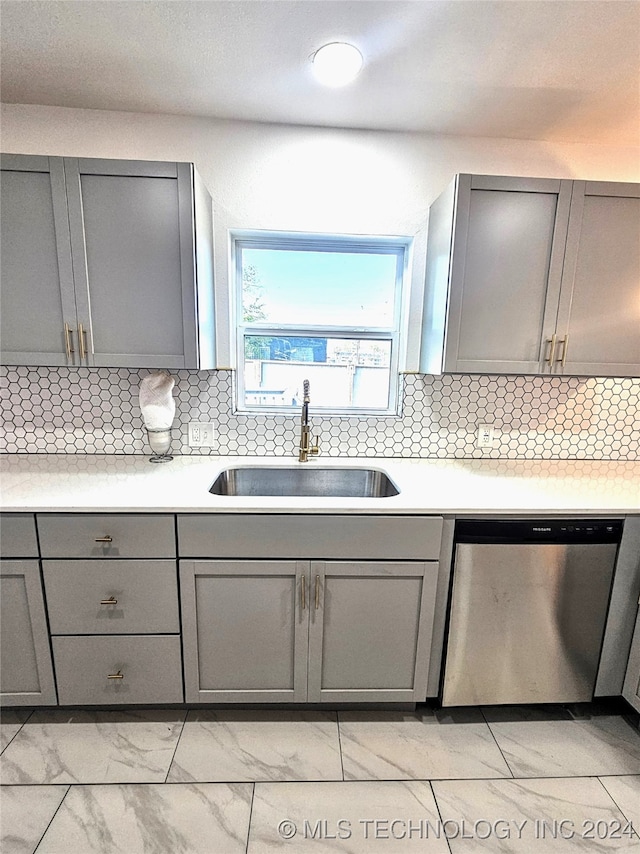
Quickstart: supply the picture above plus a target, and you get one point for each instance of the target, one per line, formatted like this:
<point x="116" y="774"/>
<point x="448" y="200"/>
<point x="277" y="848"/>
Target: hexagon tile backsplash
<point x="95" y="411"/>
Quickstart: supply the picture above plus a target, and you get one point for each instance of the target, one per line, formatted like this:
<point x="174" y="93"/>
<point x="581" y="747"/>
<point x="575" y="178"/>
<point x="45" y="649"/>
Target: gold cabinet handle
<point x="565" y="346"/>
<point x="317" y="592"/>
<point x="551" y="351"/>
<point x="118" y="675"/>
<point x="68" y="340"/>
<point x="303" y="593"/>
<point x="82" y="341"/>
<point x="106" y="539"/>
<point x="110" y="601"/>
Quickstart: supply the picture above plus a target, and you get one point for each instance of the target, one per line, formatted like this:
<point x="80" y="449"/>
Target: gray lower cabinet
<point x="631" y="687"/>
<point x="118" y="670"/>
<point x="111" y="586"/>
<point x="106" y="535"/>
<point x="111" y="597"/>
<point x="18" y="536"/>
<point x="316" y="631"/>
<point x="532" y="276"/>
<point x="245" y="630"/>
<point x="26" y="674"/>
<point x="370" y="631"/>
<point x="106" y="263"/>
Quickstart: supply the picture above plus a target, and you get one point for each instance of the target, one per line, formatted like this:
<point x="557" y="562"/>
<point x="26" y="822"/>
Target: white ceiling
<point x="553" y="70"/>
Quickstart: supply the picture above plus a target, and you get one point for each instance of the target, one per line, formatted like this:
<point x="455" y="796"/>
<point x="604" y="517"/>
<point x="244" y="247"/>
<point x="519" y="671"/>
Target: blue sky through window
<point x="325" y="288"/>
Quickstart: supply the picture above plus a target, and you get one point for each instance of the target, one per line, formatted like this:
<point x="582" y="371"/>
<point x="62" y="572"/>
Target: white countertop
<point x="97" y="483"/>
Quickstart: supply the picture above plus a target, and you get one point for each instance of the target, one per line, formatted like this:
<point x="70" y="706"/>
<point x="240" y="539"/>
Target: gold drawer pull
<point x="565" y="344"/>
<point x="68" y="340"/>
<point x="118" y="675"/>
<point x="82" y="341"/>
<point x="551" y="352"/>
<point x="303" y="598"/>
<point x="111" y="601"/>
<point x="317" y="592"/>
<point x="106" y="539"/>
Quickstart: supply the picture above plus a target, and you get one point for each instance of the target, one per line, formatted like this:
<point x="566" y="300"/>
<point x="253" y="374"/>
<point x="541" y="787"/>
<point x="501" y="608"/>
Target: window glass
<point x="344" y="372"/>
<point x="319" y="288"/>
<point x="323" y="309"/>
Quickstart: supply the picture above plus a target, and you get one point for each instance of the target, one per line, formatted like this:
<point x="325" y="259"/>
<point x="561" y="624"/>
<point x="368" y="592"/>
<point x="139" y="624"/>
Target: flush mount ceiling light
<point x="337" y="63"/>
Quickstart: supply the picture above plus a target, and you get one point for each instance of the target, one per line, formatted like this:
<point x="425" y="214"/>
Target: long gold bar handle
<point x="303" y="593"/>
<point x="82" y="341"/>
<point x="317" y="592"/>
<point x="110" y="601"/>
<point x="552" y="349"/>
<point x="565" y="346"/>
<point x="68" y="341"/>
<point x="106" y="539"/>
<point x="118" y="675"/>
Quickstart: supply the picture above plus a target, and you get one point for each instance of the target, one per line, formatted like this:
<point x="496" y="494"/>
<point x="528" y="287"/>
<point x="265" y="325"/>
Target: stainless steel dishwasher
<point x="529" y="602"/>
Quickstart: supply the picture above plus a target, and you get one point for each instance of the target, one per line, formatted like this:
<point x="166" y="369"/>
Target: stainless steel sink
<point x="307" y="481"/>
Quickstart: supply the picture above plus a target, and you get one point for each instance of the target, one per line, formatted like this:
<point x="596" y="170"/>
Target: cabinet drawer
<point x="150" y="666"/>
<point x="144" y="595"/>
<point x="106" y="535"/>
<point x="18" y="535"/>
<point x="310" y="536"/>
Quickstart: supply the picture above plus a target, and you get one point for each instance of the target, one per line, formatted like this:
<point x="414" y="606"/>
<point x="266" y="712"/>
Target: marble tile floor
<point x="153" y="781"/>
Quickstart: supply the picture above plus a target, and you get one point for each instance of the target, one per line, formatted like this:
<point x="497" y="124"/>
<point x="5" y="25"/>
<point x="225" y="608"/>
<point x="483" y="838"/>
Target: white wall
<point x="306" y="179"/>
<point x="315" y="179"/>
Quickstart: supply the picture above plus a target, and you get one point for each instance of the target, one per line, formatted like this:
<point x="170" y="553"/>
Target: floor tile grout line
<point x="52" y="818"/>
<point x="340" y="744"/>
<point x="253" y="797"/>
<point x="495" y="779"/>
<point x="175" y="750"/>
<point x="16" y="732"/>
<point x="513" y="776"/>
<point x="635" y="831"/>
<point x="435" y="800"/>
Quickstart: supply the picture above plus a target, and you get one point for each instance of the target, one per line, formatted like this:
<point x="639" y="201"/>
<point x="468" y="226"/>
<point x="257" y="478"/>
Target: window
<point x="326" y="309"/>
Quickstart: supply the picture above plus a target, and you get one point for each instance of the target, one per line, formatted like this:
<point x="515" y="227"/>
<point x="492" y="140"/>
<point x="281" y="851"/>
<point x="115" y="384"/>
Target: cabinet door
<point x="132" y="236"/>
<point x="37" y="295"/>
<point x="598" y="322"/>
<point x="505" y="273"/>
<point x="245" y="627"/>
<point x="370" y="631"/>
<point x="631" y="689"/>
<point x="26" y="673"/>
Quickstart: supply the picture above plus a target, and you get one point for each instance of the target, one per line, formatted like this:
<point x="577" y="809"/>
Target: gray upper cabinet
<point x="134" y="255"/>
<point x="532" y="276"/>
<point x="598" y="322"/>
<point x="37" y="299"/>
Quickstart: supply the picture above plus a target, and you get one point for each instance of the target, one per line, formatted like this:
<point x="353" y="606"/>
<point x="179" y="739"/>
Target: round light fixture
<point x="337" y="63"/>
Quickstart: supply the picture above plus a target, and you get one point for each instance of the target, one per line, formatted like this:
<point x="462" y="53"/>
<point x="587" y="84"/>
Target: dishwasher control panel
<point x="538" y="530"/>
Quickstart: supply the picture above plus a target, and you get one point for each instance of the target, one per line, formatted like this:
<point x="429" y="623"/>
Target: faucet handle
<point x="314" y="448"/>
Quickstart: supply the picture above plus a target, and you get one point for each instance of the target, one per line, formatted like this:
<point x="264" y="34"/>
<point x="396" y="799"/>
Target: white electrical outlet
<point x="201" y="434"/>
<point x="485" y="436"/>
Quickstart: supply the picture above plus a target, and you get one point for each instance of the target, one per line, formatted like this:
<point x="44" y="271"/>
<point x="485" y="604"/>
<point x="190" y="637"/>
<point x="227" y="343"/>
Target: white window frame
<point x="392" y="245"/>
